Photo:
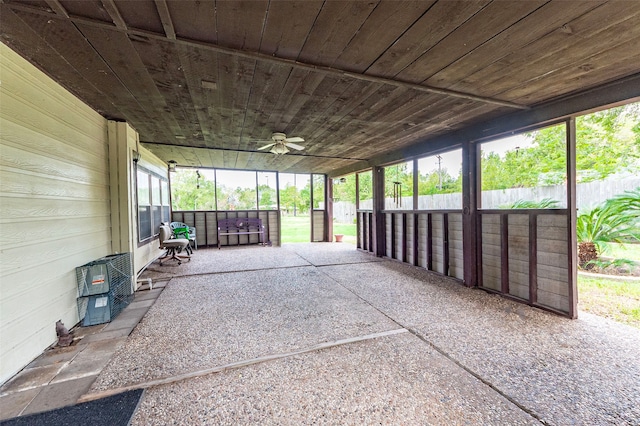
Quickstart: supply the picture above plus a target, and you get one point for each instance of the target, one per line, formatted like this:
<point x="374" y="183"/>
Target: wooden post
<point x="393" y="235"/>
<point x="470" y="188"/>
<point x="328" y="211"/>
<point x="404" y="237"/>
<point x="416" y="235"/>
<point x="572" y="218"/>
<point x="445" y="243"/>
<point x="504" y="253"/>
<point x="379" y="234"/>
<point x="533" y="258"/>
<point x="311" y="210"/>
<point x="430" y="241"/>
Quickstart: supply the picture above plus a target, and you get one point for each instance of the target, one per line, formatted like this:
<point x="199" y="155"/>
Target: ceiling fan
<point x="281" y="144"/>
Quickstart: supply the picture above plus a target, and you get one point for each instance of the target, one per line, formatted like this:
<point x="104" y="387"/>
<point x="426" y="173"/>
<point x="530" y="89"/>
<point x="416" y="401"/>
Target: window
<point x="398" y="186"/>
<point x="525" y="171"/>
<point x="365" y="190"/>
<point x="153" y="203"/>
<point x="236" y="190"/>
<point x="440" y="181"/>
<point x="318" y="192"/>
<point x="267" y="191"/>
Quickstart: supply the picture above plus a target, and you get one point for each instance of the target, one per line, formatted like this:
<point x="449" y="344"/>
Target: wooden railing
<point x="205" y="222"/>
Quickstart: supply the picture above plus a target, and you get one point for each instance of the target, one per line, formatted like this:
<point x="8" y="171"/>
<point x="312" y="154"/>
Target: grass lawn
<point x="627" y="251"/>
<point x="617" y="300"/>
<point x="297" y="229"/>
<point x="346" y="229"/>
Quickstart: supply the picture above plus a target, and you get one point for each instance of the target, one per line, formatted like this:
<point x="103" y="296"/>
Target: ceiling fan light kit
<point x="279" y="148"/>
<point x="281" y="144"/>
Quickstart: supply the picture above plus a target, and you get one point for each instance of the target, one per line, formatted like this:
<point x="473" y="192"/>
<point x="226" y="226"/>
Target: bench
<point x="240" y="226"/>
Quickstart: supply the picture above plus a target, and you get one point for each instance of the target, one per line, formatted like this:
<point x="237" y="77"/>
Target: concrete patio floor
<point x="323" y="334"/>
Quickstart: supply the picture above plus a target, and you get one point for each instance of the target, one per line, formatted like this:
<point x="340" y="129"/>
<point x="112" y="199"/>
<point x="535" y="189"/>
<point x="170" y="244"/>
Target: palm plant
<point x="617" y="220"/>
<point x="545" y="203"/>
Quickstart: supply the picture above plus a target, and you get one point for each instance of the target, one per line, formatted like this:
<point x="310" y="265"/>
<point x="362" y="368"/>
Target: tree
<point x="346" y="191"/>
<point x="190" y="193"/>
<point x="608" y="142"/>
<point x="267" y="197"/>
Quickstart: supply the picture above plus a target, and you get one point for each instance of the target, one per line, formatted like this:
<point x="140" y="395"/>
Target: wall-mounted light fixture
<point x="135" y="156"/>
<point x="172" y="165"/>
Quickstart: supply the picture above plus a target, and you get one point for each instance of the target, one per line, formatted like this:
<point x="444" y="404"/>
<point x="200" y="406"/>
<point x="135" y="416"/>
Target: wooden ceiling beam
<point x="58" y="8"/>
<point x="165" y="17"/>
<point x="121" y="26"/>
<point x="114" y="13"/>
<point x="291" y="154"/>
<point x="616" y="93"/>
<point x="342" y="73"/>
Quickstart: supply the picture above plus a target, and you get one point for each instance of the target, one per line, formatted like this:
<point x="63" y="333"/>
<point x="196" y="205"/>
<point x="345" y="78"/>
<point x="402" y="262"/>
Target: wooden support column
<point x="416" y="234"/>
<point x="404" y="237"/>
<point x="445" y="243"/>
<point x="311" y="211"/>
<point x="504" y="253"/>
<point x="533" y="258"/>
<point x="360" y="222"/>
<point x="378" y="225"/>
<point x="571" y="218"/>
<point x="470" y="188"/>
<point x="429" y="242"/>
<point x="328" y="211"/>
<point x="392" y="216"/>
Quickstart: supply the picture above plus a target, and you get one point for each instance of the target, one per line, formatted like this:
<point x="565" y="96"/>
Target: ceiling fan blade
<point x="266" y="146"/>
<point x="294" y="146"/>
<point x="294" y="139"/>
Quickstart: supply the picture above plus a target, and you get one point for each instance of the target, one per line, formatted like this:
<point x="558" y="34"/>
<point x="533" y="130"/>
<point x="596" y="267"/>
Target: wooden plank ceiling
<point x="205" y="82"/>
